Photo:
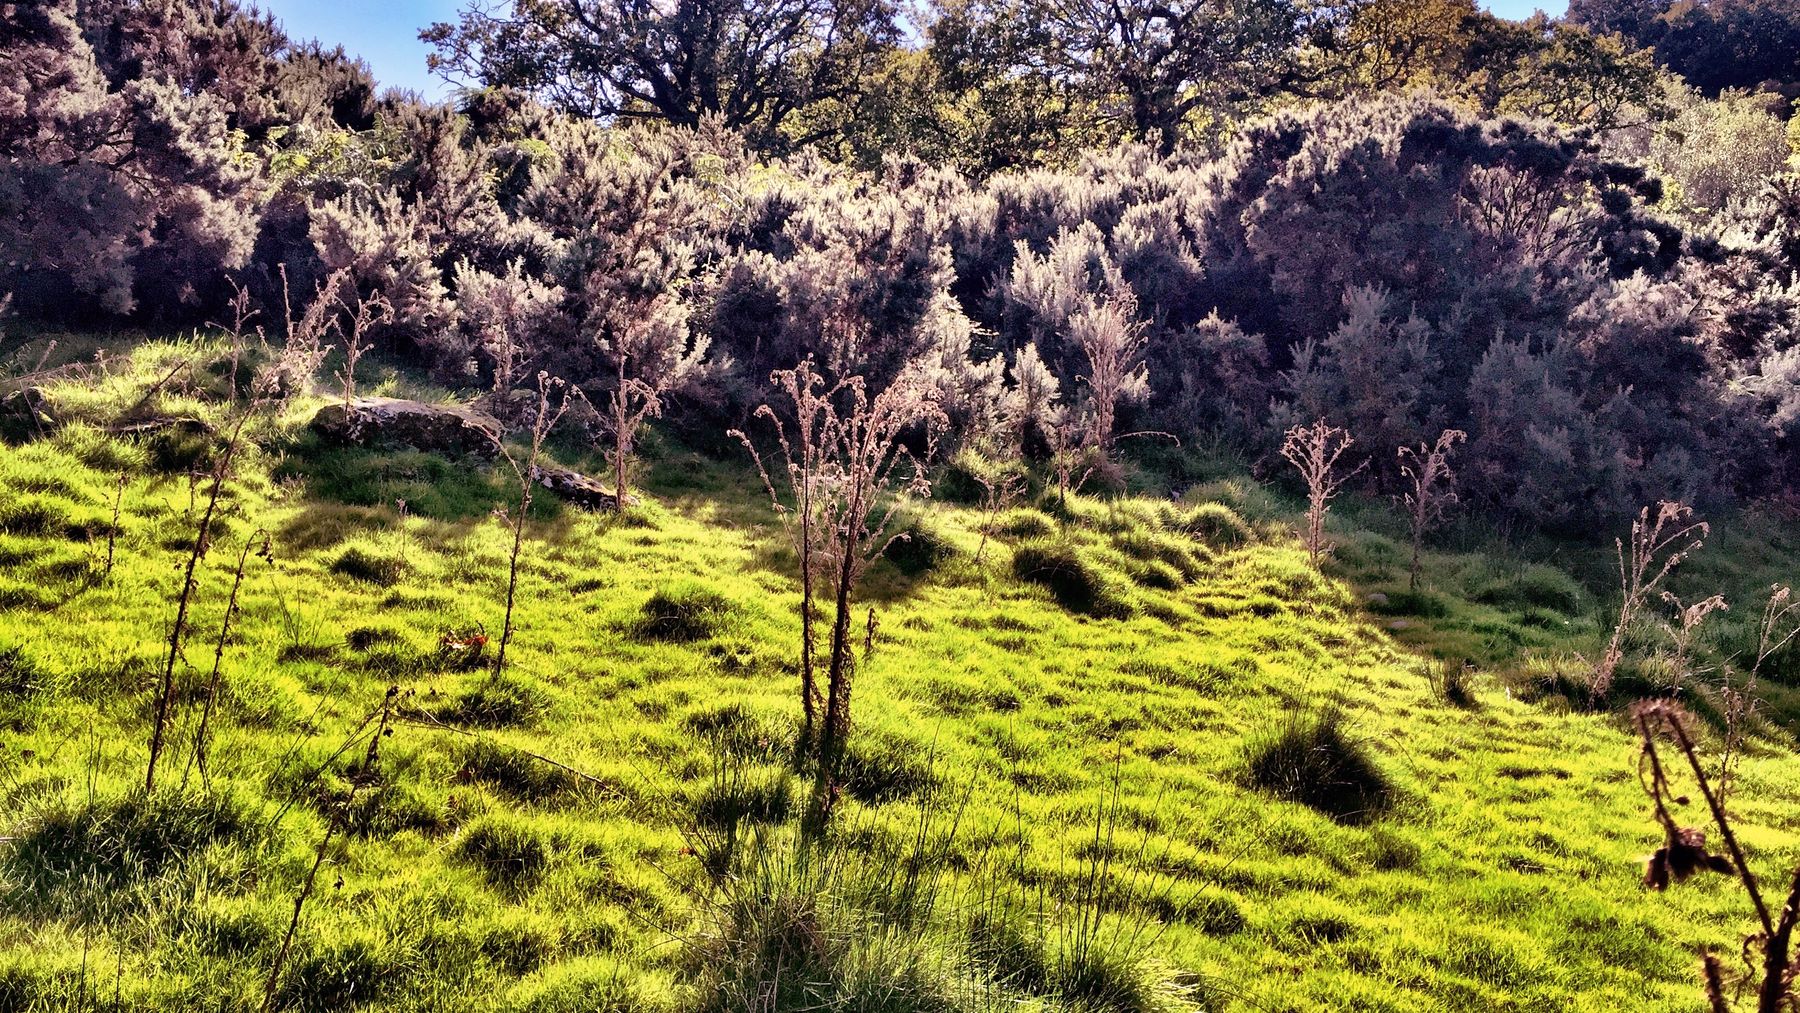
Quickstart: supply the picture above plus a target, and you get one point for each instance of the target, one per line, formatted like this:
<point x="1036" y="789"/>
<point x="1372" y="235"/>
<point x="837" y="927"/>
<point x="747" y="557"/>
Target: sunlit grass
<point x="1081" y="776"/>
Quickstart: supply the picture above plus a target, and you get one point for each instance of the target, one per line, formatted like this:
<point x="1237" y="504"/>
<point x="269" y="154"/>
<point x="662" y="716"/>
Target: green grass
<point x="1051" y="797"/>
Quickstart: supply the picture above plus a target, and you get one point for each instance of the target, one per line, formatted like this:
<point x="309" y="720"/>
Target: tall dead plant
<point x="259" y="544"/>
<point x="1315" y="451"/>
<point x="646" y="369"/>
<point x="1767" y="952"/>
<point x="1659" y="542"/>
<point x="1780" y="624"/>
<point x="847" y="472"/>
<point x="288" y="373"/>
<point x="554" y="398"/>
<point x="367" y="774"/>
<point x="1689" y="617"/>
<point x="1430" y="490"/>
<point x="998" y="493"/>
<point x="242" y="313"/>
<point x="360" y="315"/>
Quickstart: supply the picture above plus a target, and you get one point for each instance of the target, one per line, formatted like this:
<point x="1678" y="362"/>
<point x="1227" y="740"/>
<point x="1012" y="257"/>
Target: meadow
<point x="1122" y="752"/>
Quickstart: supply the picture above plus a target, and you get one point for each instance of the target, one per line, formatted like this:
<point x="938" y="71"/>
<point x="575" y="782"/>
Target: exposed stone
<point x="577" y="488"/>
<point x="1376" y="598"/>
<point x="185" y="425"/>
<point x="24" y="412"/>
<point x="397" y="422"/>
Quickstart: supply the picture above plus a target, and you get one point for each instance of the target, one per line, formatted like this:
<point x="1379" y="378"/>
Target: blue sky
<point x="386" y="32"/>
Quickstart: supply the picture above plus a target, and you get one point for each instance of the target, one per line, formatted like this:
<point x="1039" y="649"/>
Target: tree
<point x="1714" y="44"/>
<point x="1145" y="67"/>
<point x="1374" y="371"/>
<point x="1396" y="44"/>
<point x="1717" y="154"/>
<point x="1562" y="72"/>
<point x="751" y="64"/>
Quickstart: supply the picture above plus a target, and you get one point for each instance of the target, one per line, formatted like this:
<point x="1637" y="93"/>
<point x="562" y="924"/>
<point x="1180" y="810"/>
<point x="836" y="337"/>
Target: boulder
<point x="397" y="422"/>
<point x="25" y="412"/>
<point x="577" y="488"/>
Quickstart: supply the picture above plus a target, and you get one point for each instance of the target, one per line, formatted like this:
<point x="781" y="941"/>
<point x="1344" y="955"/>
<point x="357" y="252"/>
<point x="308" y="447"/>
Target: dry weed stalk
<point x="997" y="495"/>
<point x="382" y="719"/>
<point x="544" y="419"/>
<point x="288" y="373"/>
<point x="1684" y="853"/>
<point x="843" y="453"/>
<point x="307" y="335"/>
<point x="258" y="543"/>
<point x="165" y="699"/>
<point x="112" y="531"/>
<point x="639" y="396"/>
<point x="1780" y="624"/>
<point x="1314" y="451"/>
<point x="242" y="313"/>
<point x="368" y="312"/>
<point x="1688" y="620"/>
<point x="1659" y="542"/>
<point x="1431" y="490"/>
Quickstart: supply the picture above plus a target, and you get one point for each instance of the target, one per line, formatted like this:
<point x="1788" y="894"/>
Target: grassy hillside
<point x="1067" y="772"/>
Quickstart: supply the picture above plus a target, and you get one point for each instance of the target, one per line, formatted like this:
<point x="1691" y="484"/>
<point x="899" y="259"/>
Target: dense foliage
<point x="1606" y="306"/>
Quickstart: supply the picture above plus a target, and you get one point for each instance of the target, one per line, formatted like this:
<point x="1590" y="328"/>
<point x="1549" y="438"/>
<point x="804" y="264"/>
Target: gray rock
<point x="25" y="411"/>
<point x="1376" y="598"/>
<point x="577" y="488"/>
<point x="396" y="422"/>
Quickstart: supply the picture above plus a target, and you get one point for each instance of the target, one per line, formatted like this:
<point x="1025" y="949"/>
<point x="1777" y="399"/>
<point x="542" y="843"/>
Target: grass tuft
<point x="1313" y="760"/>
<point x="512" y="772"/>
<point x="497" y="703"/>
<point x="1218" y="526"/>
<point x="1075" y="581"/>
<point x="682" y="613"/>
<point x="510" y="853"/>
<point x="368" y="567"/>
<point x="125" y="839"/>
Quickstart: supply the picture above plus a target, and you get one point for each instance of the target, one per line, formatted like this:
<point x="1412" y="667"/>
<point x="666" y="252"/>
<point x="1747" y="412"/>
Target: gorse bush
<point x="1057" y="310"/>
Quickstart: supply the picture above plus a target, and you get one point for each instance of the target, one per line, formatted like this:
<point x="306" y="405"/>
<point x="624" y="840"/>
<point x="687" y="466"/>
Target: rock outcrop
<point x="577" y="488"/>
<point x="388" y="422"/>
